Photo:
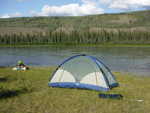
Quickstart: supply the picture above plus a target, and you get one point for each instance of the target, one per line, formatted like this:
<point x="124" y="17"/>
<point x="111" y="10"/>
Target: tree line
<point x="76" y="37"/>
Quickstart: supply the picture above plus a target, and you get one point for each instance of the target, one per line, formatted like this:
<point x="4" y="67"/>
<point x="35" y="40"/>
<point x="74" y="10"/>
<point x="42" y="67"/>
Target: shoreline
<point x="123" y="73"/>
<point x="77" y="45"/>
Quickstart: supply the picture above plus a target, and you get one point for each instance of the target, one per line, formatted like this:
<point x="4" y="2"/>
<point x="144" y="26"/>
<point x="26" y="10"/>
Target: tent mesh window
<point x="80" y="67"/>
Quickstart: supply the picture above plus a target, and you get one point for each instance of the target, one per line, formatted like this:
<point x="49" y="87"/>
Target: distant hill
<point x="94" y="25"/>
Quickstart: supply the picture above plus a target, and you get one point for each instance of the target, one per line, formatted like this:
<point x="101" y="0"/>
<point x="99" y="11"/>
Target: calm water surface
<point x="134" y="60"/>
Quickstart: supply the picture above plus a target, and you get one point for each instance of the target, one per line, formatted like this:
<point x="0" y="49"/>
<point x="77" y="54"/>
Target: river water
<point x="134" y="60"/>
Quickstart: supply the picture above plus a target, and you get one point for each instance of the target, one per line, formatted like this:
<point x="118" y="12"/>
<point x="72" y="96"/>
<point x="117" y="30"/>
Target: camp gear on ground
<point x="83" y="71"/>
<point x="20" y="68"/>
<point x="111" y="96"/>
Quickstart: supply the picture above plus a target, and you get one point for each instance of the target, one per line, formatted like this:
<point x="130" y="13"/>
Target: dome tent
<point x="83" y="71"/>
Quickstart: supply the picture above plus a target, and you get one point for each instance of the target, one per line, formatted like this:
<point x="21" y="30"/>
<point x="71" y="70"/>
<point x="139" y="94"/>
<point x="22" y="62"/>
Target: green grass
<point x="28" y="92"/>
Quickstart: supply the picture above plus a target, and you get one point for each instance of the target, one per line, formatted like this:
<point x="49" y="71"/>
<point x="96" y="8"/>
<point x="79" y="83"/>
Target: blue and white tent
<point x="83" y="71"/>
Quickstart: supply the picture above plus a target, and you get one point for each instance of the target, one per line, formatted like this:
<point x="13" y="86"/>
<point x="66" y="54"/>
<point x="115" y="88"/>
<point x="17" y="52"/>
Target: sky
<point x="29" y="8"/>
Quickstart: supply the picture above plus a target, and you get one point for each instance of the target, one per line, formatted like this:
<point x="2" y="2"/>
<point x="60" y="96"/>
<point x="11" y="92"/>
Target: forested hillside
<point x="133" y="27"/>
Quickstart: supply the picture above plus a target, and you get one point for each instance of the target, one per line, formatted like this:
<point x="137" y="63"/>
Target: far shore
<point x="76" y="45"/>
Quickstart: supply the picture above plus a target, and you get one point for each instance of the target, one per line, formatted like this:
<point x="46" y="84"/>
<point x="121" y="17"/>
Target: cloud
<point x="86" y="8"/>
<point x="126" y="4"/>
<point x="17" y="14"/>
<point x="5" y="16"/>
<point x="105" y="1"/>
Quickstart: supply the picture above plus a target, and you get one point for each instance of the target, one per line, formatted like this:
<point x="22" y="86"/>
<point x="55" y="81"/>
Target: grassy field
<point x="28" y="92"/>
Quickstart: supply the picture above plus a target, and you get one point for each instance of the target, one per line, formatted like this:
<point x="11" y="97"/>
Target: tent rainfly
<point x="83" y="71"/>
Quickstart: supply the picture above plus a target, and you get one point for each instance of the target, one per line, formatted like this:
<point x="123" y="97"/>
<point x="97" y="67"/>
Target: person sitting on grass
<point x="21" y="65"/>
